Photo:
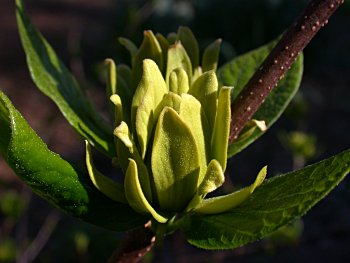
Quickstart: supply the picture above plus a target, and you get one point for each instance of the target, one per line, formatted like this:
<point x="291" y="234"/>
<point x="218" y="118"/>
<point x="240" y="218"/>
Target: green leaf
<point x="174" y="162"/>
<point x="56" y="82"/>
<point x="275" y="203"/>
<point x="237" y="73"/>
<point x="54" y="179"/>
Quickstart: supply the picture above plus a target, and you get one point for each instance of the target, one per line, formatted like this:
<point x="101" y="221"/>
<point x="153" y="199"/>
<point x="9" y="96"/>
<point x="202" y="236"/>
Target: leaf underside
<point x="275" y="203"/>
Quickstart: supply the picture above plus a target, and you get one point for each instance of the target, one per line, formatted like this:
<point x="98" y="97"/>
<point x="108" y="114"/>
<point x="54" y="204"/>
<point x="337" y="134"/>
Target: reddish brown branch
<point x="136" y="244"/>
<point x="280" y="59"/>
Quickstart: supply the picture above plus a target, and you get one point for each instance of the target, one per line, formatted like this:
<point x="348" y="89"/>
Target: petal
<point x="188" y="40"/>
<point x="148" y="95"/>
<point x="211" y="56"/>
<point x="178" y="58"/>
<point x="149" y="49"/>
<point x="118" y="110"/>
<point x="126" y="149"/>
<point x="164" y="44"/>
<point x="174" y="162"/>
<point x="221" y="130"/>
<point x="178" y="81"/>
<point x="205" y="90"/>
<point x="130" y="46"/>
<point x="105" y="185"/>
<point x="111" y="77"/>
<point x="171" y="100"/>
<point x="192" y="113"/>
<point x="224" y="203"/>
<point x="134" y="193"/>
<point x="213" y="179"/>
<point x="124" y="90"/>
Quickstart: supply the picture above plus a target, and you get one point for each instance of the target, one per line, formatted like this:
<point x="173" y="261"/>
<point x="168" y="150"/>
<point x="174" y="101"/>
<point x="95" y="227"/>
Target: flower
<point x="172" y="126"/>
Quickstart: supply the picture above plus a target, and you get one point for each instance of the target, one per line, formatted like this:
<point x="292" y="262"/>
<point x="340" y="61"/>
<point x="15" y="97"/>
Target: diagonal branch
<point x="280" y="59"/>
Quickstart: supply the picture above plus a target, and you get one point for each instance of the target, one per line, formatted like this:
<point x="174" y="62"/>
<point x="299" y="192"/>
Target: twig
<point x="136" y="244"/>
<point x="280" y="59"/>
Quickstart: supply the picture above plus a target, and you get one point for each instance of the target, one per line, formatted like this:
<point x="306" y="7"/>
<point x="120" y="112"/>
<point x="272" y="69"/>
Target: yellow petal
<point x="105" y="185"/>
<point x="134" y="193"/>
<point x="224" y="203"/>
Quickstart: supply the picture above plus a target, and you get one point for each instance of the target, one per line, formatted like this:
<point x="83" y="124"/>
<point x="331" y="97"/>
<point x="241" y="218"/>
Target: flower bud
<point x="172" y="128"/>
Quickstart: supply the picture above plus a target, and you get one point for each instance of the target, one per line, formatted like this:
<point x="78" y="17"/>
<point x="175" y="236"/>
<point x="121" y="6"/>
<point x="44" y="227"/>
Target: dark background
<point x="84" y="32"/>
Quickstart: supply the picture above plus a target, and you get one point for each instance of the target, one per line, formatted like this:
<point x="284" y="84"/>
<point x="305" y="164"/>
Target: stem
<point x="136" y="244"/>
<point x="280" y="59"/>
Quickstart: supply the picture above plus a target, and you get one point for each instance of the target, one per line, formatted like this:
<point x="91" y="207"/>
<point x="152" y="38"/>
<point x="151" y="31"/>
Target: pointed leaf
<point x="237" y="72"/>
<point x="277" y="202"/>
<point x="54" y="179"/>
<point x="174" y="162"/>
<point x="56" y="82"/>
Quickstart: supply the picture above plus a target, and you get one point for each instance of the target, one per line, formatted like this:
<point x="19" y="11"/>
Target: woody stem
<point x="281" y="58"/>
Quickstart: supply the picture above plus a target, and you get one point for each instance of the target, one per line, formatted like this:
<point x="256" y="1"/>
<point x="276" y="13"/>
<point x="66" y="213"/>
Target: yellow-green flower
<point x="172" y="126"/>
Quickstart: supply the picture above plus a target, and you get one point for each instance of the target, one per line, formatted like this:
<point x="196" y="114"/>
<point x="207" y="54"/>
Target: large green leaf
<point x="54" y="179"/>
<point x="55" y="81"/>
<point x="275" y="203"/>
<point x="237" y="73"/>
